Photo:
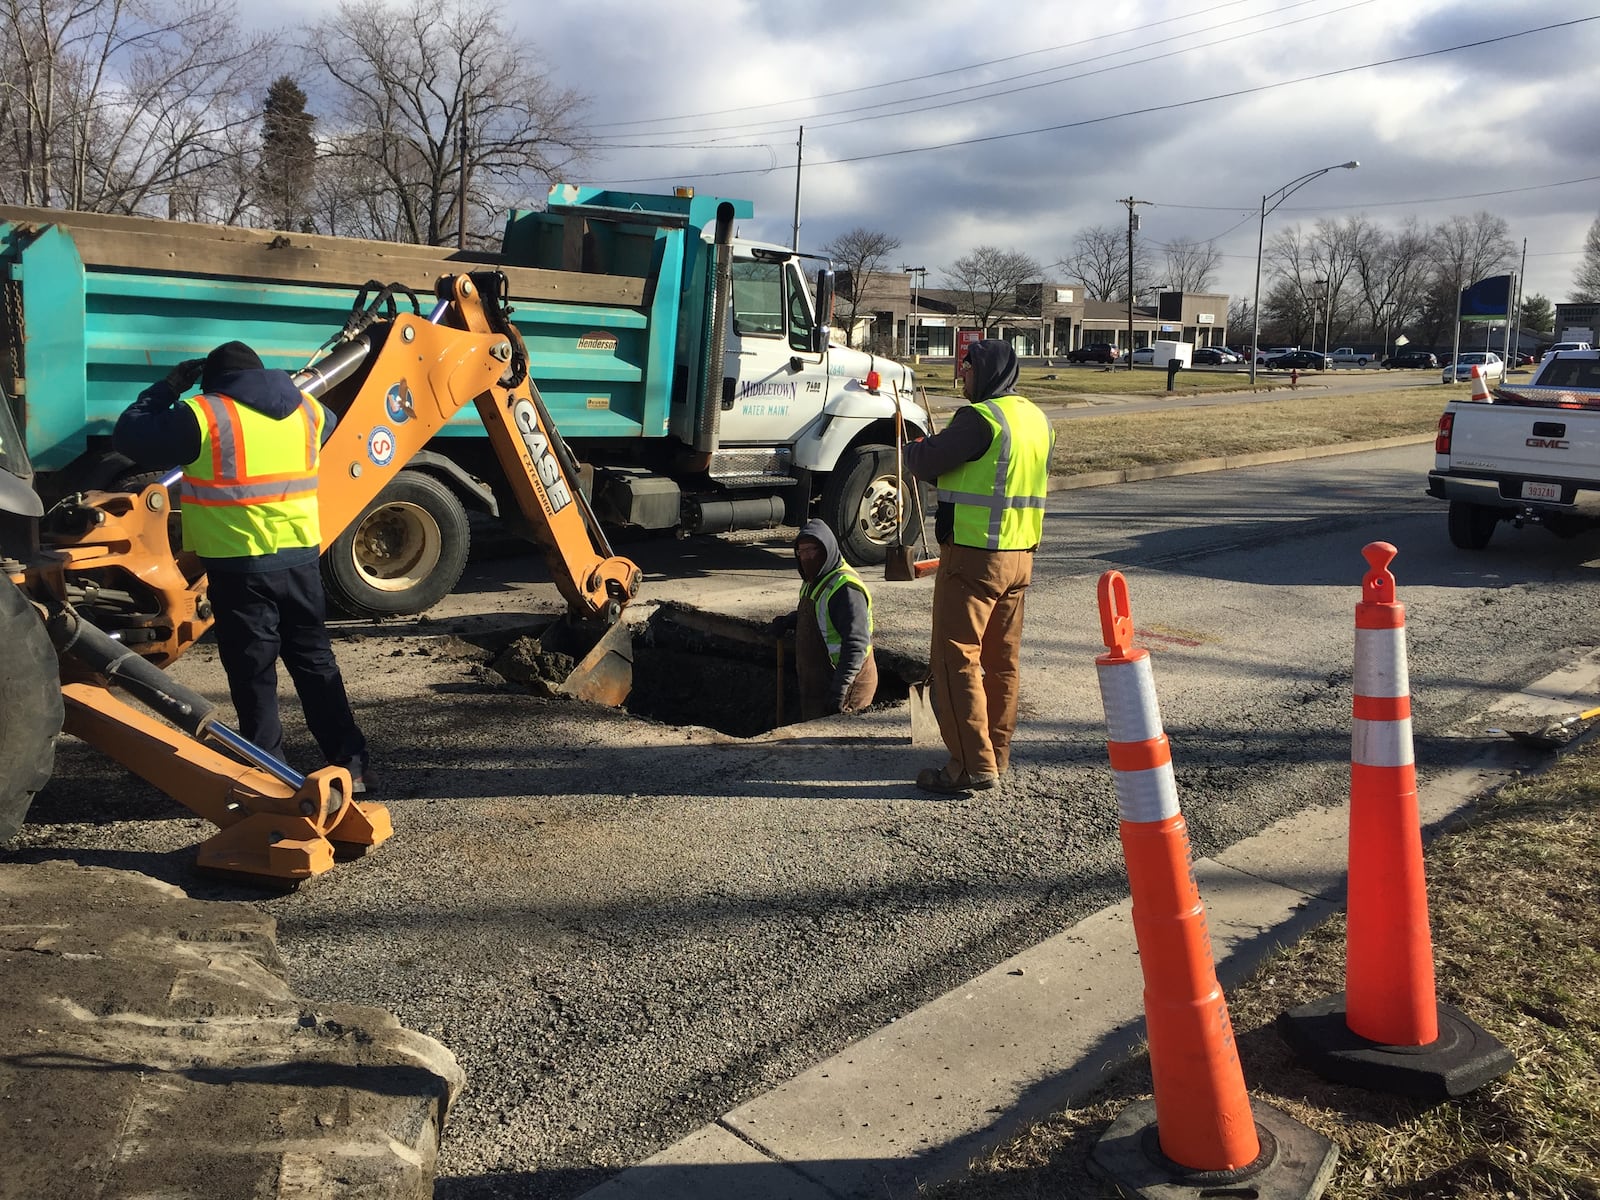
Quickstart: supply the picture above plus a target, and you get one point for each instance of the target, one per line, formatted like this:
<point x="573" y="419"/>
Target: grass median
<point x="1514" y="902"/>
<point x="1118" y="442"/>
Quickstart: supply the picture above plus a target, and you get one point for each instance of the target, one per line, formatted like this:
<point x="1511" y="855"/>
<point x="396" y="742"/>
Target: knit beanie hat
<point x="228" y="359"/>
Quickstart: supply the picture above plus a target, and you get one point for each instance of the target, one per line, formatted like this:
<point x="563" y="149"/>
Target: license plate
<point x="1541" y="491"/>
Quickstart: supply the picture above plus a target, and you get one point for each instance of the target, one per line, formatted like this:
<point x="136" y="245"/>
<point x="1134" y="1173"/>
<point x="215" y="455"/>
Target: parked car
<point x="1298" y="360"/>
<point x="1411" y="358"/>
<point x="1100" y="352"/>
<point x="1461" y="369"/>
<point x="1266" y="352"/>
<point x="1210" y="356"/>
<point x="1563" y="347"/>
<point x="1520" y="358"/>
<point x="1228" y="355"/>
<point x="1144" y="354"/>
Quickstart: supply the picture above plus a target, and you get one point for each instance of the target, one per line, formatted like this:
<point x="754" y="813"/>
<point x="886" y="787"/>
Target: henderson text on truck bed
<point x="688" y="369"/>
<point x="1528" y="456"/>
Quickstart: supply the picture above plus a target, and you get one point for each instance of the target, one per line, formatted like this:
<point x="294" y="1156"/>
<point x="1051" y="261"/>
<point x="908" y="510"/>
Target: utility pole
<point x="461" y="191"/>
<point x="1514" y="325"/>
<point x="1133" y="227"/>
<point x="799" y="153"/>
<point x="911" y="326"/>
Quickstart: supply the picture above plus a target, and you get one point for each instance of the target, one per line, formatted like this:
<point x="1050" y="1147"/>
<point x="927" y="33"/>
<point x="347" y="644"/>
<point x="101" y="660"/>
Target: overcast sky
<point x="951" y="125"/>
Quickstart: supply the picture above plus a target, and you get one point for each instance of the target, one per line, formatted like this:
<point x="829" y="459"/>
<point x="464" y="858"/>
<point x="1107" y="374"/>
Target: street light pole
<point x="1282" y="194"/>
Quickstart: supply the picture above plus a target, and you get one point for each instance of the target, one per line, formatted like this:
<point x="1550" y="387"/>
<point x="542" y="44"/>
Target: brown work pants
<point x="977" y="645"/>
<point x="815" y="671"/>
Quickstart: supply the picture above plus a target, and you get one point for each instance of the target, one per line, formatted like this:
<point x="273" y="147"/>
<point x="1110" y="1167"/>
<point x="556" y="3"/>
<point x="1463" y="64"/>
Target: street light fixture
<point x="1282" y="194"/>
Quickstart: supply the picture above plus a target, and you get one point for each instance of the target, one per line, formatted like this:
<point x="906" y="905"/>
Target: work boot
<point x="938" y="780"/>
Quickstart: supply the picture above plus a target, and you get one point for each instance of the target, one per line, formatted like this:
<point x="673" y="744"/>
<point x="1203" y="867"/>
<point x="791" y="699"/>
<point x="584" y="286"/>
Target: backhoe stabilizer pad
<point x="270" y="847"/>
<point x="362" y="824"/>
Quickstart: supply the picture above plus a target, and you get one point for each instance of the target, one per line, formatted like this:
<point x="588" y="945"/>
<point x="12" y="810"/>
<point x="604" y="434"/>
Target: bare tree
<point x="1191" y="266"/>
<point x="1467" y="249"/>
<point x="120" y="105"/>
<point x="437" y="102"/>
<point x="1098" y="259"/>
<point x="1392" y="269"/>
<point x="861" y="252"/>
<point x="1586" y="280"/>
<point x="988" y="279"/>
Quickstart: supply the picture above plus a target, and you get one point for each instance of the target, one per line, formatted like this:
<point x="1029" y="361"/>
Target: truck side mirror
<point x="819" y="331"/>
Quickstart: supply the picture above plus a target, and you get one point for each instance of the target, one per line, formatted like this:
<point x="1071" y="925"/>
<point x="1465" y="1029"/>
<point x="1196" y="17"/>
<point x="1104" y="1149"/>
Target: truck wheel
<point x="403" y="554"/>
<point x="30" y="707"/>
<point x="859" y="503"/>
<point x="1471" y="525"/>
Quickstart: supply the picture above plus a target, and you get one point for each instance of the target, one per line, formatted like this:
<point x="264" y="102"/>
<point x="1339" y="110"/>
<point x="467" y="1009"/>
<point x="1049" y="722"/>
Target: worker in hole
<point x="832" y="627"/>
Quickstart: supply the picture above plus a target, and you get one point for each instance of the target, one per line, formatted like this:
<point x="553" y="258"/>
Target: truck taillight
<point x="1441" y="444"/>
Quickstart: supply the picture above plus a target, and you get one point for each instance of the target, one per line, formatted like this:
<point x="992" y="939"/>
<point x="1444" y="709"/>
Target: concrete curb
<point x="912" y="1104"/>
<point x="1061" y="483"/>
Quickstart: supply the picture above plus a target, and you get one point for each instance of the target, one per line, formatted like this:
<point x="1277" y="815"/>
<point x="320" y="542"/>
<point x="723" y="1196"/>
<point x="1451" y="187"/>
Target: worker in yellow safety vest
<point x="832" y="624"/>
<point x="249" y="446"/>
<point x="991" y="467"/>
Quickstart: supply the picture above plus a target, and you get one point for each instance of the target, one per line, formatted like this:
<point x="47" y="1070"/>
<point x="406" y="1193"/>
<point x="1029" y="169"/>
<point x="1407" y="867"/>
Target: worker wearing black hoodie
<point x="832" y="627"/>
<point x="249" y="447"/>
<point x="991" y="467"/>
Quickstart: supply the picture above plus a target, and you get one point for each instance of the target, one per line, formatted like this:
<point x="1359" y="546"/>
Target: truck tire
<point x="859" y="502"/>
<point x="403" y="554"/>
<point x="1471" y="525"/>
<point x="30" y="707"/>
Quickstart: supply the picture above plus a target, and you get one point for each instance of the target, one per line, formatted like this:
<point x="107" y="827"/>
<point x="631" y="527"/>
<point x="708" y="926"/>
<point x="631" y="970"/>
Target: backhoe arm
<point x="424" y="372"/>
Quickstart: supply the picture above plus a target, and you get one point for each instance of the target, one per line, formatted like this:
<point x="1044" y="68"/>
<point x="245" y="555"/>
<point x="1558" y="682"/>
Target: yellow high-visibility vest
<point x="253" y="488"/>
<point x="999" y="498"/>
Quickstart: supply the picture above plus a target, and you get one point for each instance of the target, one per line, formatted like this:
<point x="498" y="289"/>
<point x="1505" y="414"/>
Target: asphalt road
<point x="625" y="928"/>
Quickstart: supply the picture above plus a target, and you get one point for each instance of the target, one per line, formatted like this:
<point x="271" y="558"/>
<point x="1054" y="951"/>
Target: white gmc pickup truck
<point x="1529" y="455"/>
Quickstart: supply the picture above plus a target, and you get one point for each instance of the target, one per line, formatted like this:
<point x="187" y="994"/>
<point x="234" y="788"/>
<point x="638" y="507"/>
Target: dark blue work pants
<point x="261" y="617"/>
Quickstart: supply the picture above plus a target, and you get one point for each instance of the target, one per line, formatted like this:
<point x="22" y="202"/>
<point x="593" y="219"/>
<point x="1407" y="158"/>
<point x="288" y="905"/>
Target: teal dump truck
<point x="689" y="369"/>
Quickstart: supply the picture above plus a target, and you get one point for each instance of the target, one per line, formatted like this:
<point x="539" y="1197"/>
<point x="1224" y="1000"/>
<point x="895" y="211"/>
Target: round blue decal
<point x="380" y="446"/>
<point x="398" y="402"/>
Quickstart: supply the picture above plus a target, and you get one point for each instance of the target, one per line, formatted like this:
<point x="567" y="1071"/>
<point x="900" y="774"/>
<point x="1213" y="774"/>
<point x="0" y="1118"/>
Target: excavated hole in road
<point x="692" y="667"/>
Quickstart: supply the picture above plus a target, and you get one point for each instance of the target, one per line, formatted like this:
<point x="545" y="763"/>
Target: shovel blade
<point x="900" y="564"/>
<point x="924" y="724"/>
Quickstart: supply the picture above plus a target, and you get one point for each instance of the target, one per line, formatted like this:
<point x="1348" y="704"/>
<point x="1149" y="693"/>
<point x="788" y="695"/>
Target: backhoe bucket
<point x="605" y="674"/>
<point x="565" y="658"/>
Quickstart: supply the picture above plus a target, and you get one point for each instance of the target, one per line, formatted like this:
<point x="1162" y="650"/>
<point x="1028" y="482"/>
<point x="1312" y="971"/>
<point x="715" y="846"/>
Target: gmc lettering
<point x="1547" y="444"/>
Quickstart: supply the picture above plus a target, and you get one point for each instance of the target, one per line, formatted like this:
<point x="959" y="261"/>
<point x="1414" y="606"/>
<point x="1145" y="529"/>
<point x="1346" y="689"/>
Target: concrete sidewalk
<point x="913" y="1103"/>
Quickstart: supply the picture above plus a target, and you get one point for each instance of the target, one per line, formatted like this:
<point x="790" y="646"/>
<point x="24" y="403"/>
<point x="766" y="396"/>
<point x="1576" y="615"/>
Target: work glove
<point x="184" y="376"/>
<point x="780" y="625"/>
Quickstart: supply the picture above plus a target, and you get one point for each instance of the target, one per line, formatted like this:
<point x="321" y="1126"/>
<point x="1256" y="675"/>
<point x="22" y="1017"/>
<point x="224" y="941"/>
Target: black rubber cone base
<point x="1295" y="1163"/>
<point x="1463" y="1057"/>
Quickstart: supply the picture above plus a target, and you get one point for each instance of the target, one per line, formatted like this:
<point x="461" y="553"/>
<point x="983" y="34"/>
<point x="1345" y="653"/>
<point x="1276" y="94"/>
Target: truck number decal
<point x="544" y="462"/>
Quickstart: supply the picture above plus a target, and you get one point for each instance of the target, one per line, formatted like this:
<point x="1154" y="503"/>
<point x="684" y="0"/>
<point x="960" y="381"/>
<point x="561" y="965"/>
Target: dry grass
<point x="1514" y="901"/>
<point x="1063" y="383"/>
<point x="1112" y="443"/>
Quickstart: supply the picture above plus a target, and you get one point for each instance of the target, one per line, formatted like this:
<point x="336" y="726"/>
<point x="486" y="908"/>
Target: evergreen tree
<point x="1538" y="314"/>
<point x="288" y="157"/>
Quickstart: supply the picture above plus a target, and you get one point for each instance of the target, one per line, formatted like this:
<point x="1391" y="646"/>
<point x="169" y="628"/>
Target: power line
<point x="1155" y="108"/>
<point x="873" y="87"/>
<point x="921" y="108"/>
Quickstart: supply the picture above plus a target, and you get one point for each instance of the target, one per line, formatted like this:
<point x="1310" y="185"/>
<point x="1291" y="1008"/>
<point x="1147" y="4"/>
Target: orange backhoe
<point x="100" y="579"/>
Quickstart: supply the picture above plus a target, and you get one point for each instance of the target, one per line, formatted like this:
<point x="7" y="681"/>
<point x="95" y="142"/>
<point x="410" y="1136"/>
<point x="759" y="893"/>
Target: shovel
<point x="1551" y="737"/>
<point x="901" y="562"/>
<point x="924" y="725"/>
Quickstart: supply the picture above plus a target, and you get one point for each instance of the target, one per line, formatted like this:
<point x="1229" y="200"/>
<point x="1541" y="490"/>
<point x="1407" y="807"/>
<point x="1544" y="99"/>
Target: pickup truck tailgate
<point x="1536" y="442"/>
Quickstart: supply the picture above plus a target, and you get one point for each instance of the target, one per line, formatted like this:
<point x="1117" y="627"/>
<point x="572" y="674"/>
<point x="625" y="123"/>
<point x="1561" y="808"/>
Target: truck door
<point x="768" y="332"/>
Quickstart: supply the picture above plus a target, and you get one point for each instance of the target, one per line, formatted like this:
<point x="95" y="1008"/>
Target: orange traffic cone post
<point x="1386" y="1030"/>
<point x="1480" y="386"/>
<point x="1201" y="1131"/>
